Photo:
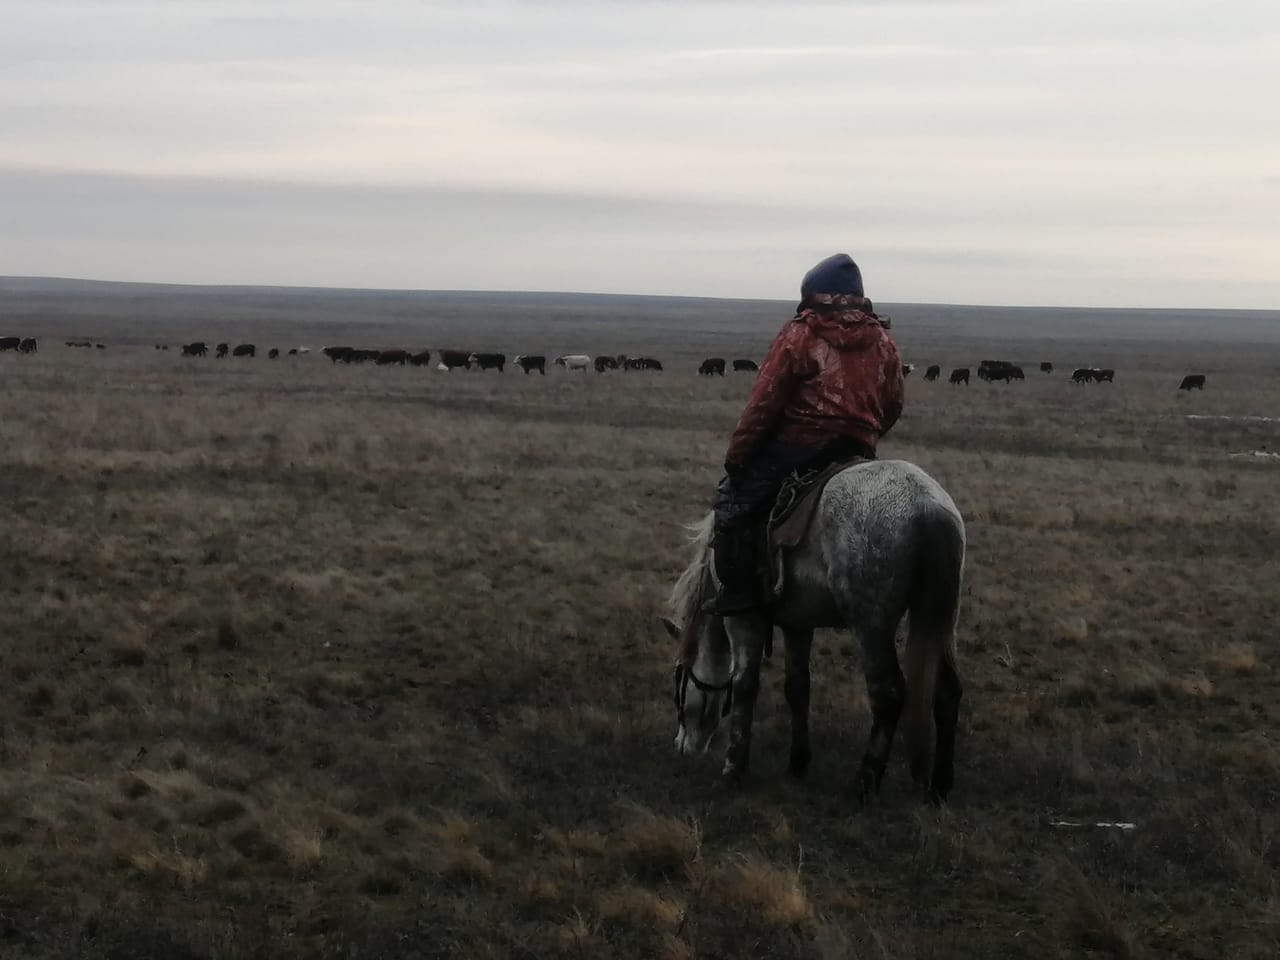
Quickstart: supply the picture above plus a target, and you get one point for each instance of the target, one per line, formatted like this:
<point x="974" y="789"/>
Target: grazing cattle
<point x="1008" y="373"/>
<point x="10" y="343"/>
<point x="273" y="353"/>
<point x="528" y="363"/>
<point x="933" y="372"/>
<point x="907" y="368"/>
<point x="573" y="361"/>
<point x="222" y="350"/>
<point x="387" y="357"/>
<point x="960" y="375"/>
<point x="642" y="363"/>
<point x="244" y="350"/>
<point x="1192" y="381"/>
<point x="1083" y="375"/>
<point x="745" y="365"/>
<point x="1046" y="367"/>
<point x="293" y="351"/>
<point x="337" y="353"/>
<point x="421" y="359"/>
<point x="991" y="370"/>
<point x="490" y="361"/>
<point x="1105" y="375"/>
<point x="28" y="345"/>
<point x="455" y="358"/>
<point x="605" y="363"/>
<point x="196" y="349"/>
<point x="712" y="366"/>
<point x="79" y="343"/>
<point x="101" y="346"/>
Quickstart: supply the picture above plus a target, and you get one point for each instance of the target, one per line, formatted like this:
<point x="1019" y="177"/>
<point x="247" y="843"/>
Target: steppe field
<point x="314" y="660"/>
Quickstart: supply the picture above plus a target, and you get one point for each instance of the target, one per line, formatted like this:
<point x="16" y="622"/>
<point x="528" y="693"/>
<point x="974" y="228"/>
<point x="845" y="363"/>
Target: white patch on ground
<point x="1255" y="455"/>
<point x="1223" y="416"/>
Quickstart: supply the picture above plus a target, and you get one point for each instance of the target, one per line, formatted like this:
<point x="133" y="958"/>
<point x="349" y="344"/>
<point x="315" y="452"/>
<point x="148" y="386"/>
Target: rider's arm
<point x="891" y="387"/>
<point x="781" y="371"/>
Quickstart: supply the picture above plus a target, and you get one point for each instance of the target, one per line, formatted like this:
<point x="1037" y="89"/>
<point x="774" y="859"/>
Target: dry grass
<point x="311" y="661"/>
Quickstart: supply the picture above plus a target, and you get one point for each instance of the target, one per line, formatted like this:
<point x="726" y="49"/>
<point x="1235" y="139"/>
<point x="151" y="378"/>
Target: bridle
<point x="685" y="676"/>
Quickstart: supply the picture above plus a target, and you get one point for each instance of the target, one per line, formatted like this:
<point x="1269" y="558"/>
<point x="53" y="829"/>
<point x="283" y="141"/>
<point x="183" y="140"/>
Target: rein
<point x="685" y="675"/>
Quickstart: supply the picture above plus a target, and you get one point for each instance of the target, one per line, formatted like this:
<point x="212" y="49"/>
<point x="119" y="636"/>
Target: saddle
<point x="791" y="515"/>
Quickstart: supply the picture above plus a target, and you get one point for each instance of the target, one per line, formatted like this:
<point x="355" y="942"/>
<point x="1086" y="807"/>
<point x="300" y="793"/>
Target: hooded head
<point x="837" y="275"/>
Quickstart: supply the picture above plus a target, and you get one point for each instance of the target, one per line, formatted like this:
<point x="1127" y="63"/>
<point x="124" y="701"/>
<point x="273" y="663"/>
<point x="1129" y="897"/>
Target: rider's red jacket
<point x="833" y="371"/>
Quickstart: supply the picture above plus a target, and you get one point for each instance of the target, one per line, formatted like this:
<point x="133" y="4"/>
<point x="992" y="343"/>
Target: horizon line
<point x="591" y="293"/>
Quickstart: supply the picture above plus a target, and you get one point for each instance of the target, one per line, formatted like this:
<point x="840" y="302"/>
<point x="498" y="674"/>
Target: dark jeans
<point x="748" y="495"/>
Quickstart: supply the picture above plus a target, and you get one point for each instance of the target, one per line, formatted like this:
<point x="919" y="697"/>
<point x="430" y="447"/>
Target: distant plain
<point x="308" y="659"/>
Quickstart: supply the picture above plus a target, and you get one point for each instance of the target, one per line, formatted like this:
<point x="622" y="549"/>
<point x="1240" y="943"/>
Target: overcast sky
<point x="1094" y="152"/>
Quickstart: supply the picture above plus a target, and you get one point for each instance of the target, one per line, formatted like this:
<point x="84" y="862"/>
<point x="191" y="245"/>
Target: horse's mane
<point x="690" y="590"/>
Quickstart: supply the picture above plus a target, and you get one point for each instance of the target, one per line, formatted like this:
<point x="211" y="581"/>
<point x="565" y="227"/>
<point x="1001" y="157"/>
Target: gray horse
<point x="886" y="540"/>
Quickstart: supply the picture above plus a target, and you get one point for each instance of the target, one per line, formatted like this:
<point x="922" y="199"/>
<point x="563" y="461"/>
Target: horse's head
<point x="703" y="680"/>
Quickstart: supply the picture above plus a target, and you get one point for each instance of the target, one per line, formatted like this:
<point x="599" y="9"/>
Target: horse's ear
<point x="671" y="627"/>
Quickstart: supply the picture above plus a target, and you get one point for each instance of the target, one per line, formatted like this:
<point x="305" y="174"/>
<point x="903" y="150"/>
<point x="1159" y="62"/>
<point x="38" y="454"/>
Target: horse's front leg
<point x="797" y="688"/>
<point x="746" y="638"/>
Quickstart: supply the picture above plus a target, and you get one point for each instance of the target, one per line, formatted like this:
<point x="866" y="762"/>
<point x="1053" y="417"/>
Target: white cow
<point x="574" y="361"/>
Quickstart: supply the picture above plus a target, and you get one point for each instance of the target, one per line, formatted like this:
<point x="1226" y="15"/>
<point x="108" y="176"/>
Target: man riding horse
<point x="829" y="388"/>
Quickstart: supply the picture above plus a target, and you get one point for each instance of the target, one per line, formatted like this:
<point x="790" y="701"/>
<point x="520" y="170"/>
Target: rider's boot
<point x="734" y="557"/>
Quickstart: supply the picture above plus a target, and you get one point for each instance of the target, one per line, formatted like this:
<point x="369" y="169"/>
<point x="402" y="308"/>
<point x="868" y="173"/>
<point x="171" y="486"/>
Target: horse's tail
<point x="931" y="638"/>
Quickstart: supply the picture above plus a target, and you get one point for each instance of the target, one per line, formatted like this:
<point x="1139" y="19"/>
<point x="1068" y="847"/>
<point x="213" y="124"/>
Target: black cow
<point x="745" y="365"/>
<point x="643" y="363"/>
<point x="222" y="350"/>
<point x="991" y="370"/>
<point x="489" y="361"/>
<point x="28" y="345"/>
<point x="387" y="357"/>
<point x="606" y="363"/>
<point x="906" y="369"/>
<point x="932" y="373"/>
<point x="712" y="366"/>
<point x="337" y="353"/>
<point x="101" y="346"/>
<point x="273" y="353"/>
<point x="455" y="358"/>
<point x="1106" y="375"/>
<point x="1046" y="367"/>
<point x="1192" y="381"/>
<point x="1083" y="375"/>
<point x="1007" y="373"/>
<point x="293" y="351"/>
<point x="529" y="363"/>
<point x="10" y="343"/>
<point x="421" y="359"/>
<point x="196" y="349"/>
<point x="960" y="375"/>
<point x="244" y="350"/>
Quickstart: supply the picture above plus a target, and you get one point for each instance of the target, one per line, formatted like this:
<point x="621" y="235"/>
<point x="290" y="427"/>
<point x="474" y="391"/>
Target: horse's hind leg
<point x="797" y="689"/>
<point x="946" y="713"/>
<point x="886" y="689"/>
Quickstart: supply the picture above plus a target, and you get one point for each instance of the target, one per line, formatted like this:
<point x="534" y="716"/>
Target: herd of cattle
<point x="468" y="360"/>
<point x="993" y="371"/>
